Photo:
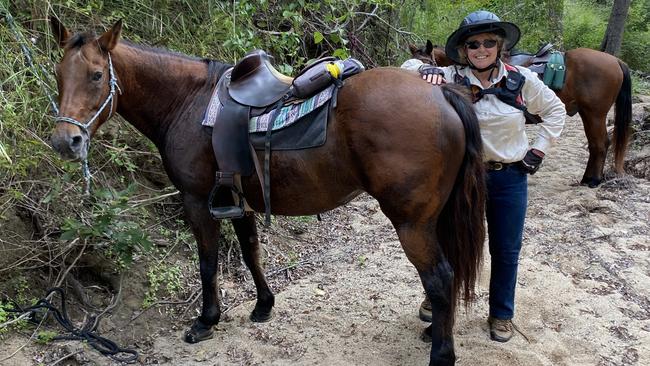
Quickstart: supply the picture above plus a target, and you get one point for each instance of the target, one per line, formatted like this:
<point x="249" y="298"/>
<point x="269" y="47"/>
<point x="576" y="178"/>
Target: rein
<point x="85" y="127"/>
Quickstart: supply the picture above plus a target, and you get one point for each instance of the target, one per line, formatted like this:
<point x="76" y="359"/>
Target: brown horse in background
<point x="413" y="147"/>
<point x="594" y="81"/>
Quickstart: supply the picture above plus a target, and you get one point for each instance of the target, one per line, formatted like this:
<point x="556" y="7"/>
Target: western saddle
<point x="255" y="82"/>
<point x="535" y="62"/>
<point x="251" y="88"/>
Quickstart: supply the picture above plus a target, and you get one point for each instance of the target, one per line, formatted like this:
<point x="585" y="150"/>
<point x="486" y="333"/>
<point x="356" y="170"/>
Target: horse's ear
<point x="60" y="33"/>
<point x="109" y="39"/>
<point x="429" y="48"/>
<point x="413" y="48"/>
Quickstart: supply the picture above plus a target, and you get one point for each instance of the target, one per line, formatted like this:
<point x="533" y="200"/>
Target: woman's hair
<point x="500" y="44"/>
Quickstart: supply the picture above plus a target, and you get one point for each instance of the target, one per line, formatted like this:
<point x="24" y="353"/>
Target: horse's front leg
<point x="206" y="232"/>
<point x="250" y="246"/>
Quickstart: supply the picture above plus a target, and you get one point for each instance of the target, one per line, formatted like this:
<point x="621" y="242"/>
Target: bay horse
<point x="414" y="147"/>
<point x="594" y="82"/>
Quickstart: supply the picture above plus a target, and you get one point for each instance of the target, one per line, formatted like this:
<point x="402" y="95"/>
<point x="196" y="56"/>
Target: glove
<point x="432" y="74"/>
<point x="532" y="161"/>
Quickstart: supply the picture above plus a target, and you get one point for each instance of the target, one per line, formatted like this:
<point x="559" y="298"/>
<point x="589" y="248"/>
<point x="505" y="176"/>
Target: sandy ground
<point x="583" y="294"/>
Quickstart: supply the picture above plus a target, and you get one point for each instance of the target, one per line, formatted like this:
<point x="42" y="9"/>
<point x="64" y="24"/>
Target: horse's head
<point x="430" y="52"/>
<point x="87" y="87"/>
<point x="423" y="54"/>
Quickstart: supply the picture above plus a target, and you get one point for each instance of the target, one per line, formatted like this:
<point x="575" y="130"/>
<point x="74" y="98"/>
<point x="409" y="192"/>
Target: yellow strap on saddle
<point x="334" y="69"/>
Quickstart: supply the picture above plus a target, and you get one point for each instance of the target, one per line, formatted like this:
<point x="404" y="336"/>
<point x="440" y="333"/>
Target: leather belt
<point x="497" y="165"/>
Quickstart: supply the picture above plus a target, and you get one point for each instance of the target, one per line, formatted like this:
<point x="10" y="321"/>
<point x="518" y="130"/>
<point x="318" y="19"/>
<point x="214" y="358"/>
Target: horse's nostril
<point x="76" y="142"/>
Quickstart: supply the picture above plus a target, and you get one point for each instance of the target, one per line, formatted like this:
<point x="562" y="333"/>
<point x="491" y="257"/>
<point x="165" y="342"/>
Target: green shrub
<point x="584" y="24"/>
<point x="163" y="280"/>
<point x="110" y="225"/>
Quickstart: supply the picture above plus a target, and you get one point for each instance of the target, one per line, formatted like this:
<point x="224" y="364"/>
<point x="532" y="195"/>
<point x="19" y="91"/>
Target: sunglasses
<point x="487" y="43"/>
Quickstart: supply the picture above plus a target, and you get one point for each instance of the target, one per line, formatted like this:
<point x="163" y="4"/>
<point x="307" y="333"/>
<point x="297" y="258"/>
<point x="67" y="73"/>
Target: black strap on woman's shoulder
<point x="507" y="91"/>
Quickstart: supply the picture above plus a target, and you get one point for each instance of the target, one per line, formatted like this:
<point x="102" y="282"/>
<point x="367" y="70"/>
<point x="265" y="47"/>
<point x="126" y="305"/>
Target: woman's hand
<point x="532" y="161"/>
<point x="432" y="74"/>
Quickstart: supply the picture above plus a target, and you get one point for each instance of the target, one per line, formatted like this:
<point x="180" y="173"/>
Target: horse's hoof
<point x="590" y="182"/>
<point x="593" y="184"/>
<point x="261" y="316"/>
<point x="426" y="334"/>
<point x="199" y="332"/>
<point x="425" y="311"/>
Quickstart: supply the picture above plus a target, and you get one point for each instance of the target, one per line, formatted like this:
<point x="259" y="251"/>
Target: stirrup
<point x="226" y="212"/>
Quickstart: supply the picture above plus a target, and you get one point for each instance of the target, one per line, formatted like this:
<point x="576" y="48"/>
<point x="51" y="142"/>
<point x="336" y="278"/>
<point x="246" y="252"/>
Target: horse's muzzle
<point x="70" y="145"/>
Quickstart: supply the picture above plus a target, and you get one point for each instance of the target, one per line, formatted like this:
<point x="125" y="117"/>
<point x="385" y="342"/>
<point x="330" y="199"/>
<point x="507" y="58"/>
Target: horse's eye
<point x="97" y="76"/>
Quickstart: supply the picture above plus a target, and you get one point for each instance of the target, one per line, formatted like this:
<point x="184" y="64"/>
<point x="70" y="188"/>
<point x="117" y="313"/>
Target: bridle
<point x="431" y="59"/>
<point x="85" y="127"/>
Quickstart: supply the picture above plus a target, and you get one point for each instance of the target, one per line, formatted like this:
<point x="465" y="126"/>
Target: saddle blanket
<point x="288" y="115"/>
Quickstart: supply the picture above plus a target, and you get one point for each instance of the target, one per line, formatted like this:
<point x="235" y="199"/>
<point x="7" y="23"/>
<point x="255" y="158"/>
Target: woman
<point x="476" y="47"/>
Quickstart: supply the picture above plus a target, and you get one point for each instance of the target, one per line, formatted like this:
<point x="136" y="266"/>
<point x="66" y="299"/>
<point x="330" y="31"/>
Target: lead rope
<point x="87" y="333"/>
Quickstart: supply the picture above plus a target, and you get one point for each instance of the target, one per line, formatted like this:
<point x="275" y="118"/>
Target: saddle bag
<point x="317" y="77"/>
<point x="323" y="73"/>
<point x="555" y="71"/>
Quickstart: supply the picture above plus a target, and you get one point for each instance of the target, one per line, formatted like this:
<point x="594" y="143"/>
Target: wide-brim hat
<point x="481" y="22"/>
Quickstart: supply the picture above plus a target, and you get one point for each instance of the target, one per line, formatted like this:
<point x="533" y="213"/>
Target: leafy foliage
<point x="635" y="49"/>
<point x="584" y="25"/>
<point x="109" y="227"/>
<point x="163" y="279"/>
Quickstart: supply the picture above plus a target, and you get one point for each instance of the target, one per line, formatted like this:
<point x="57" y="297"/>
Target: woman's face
<point x="482" y="49"/>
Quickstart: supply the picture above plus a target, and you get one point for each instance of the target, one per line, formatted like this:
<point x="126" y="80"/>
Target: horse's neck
<point x="159" y="90"/>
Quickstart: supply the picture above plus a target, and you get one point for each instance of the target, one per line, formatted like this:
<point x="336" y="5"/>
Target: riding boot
<point x="226" y="180"/>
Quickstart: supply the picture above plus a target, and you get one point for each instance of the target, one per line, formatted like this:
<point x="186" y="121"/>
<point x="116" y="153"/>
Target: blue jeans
<point x="506" y="211"/>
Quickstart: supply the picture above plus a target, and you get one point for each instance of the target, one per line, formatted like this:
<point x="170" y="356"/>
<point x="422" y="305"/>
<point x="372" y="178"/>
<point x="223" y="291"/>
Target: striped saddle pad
<point x="288" y="115"/>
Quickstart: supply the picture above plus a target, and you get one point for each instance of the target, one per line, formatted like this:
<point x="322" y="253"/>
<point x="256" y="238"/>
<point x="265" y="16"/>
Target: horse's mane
<point x="215" y="68"/>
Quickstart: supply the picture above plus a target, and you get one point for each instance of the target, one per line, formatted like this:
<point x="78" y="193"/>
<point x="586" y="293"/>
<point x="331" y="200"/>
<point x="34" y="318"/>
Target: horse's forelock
<point x="80" y="39"/>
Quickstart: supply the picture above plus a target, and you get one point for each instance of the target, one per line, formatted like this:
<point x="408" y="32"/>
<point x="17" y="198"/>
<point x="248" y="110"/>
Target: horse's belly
<point x="300" y="201"/>
<point x="298" y="195"/>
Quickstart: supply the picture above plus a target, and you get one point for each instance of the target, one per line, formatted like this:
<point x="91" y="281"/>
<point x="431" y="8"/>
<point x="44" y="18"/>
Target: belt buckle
<point x="496" y="165"/>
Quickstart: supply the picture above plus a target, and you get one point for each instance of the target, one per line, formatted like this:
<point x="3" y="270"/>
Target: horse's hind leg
<point x="598" y="142"/>
<point x="250" y="247"/>
<point x="421" y="247"/>
<point x="206" y="232"/>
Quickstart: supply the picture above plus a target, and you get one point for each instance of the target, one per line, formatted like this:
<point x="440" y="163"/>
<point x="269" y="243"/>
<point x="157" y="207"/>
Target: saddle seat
<point x="527" y="59"/>
<point x="255" y="82"/>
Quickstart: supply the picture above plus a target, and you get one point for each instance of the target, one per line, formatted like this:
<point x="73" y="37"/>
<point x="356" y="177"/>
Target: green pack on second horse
<point x="555" y="71"/>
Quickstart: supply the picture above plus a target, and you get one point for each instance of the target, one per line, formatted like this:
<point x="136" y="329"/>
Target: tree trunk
<point x="555" y="10"/>
<point x="614" y="34"/>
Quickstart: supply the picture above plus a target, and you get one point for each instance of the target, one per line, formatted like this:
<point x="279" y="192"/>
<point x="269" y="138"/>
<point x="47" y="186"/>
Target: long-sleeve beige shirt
<point x="502" y="126"/>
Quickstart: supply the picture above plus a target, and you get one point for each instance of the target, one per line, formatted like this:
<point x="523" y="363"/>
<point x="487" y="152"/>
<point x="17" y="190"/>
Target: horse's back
<point x="586" y="59"/>
<point x="387" y="97"/>
<point x="593" y="79"/>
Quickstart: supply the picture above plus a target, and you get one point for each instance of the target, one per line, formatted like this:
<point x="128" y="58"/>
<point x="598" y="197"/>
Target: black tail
<point x="460" y="229"/>
<point x="622" y="118"/>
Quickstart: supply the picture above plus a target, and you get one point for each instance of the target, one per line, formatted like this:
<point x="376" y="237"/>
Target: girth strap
<point x="266" y="188"/>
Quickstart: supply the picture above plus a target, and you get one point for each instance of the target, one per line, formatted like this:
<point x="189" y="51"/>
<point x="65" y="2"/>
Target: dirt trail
<point x="583" y="294"/>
